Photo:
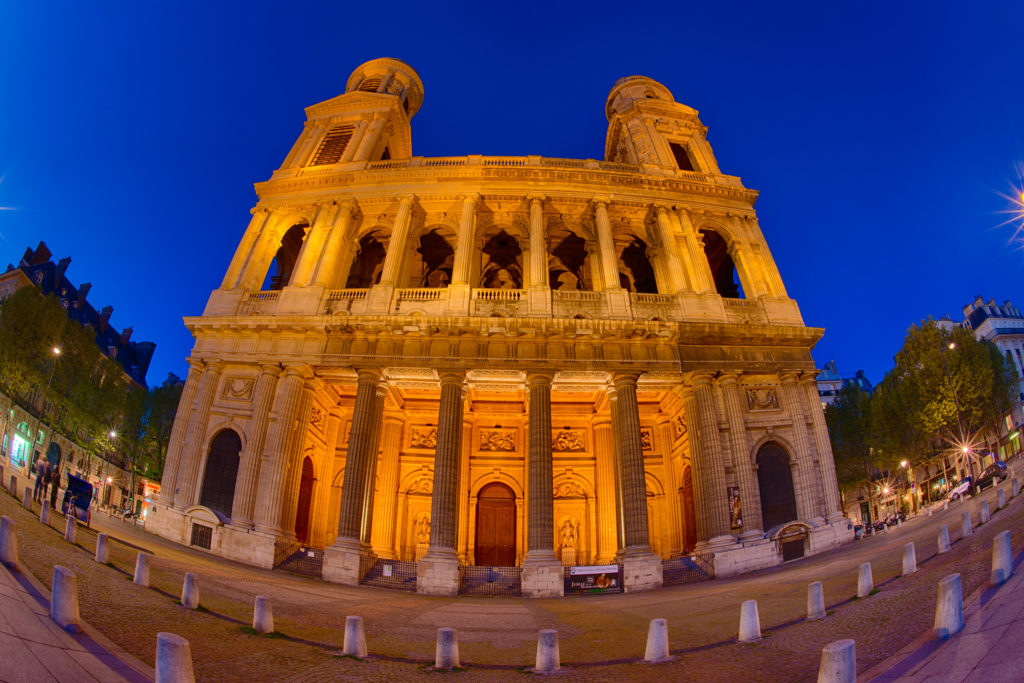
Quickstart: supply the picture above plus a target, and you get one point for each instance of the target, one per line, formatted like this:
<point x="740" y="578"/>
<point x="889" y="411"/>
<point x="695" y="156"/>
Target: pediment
<point x="349" y="101"/>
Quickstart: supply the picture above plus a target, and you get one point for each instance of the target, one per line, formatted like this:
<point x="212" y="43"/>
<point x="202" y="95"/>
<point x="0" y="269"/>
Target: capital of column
<point x="452" y="377"/>
<point x="197" y="364"/>
<point x="259" y="210"/>
<point x="662" y="209"/>
<point x="372" y="374"/>
<point x="471" y="197"/>
<point x="272" y="369"/>
<point x="701" y="379"/>
<point x="601" y="202"/>
<point x="726" y="379"/>
<point x="406" y="198"/>
<point x="534" y="199"/>
<point x="810" y="377"/>
<point x="540" y="378"/>
<point x="621" y="380"/>
<point x="300" y="371"/>
<point x="788" y="377"/>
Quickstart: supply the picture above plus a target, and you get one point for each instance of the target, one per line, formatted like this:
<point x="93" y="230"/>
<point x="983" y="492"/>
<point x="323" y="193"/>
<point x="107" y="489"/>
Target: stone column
<point x="371" y="137"/>
<point x="459" y="289"/>
<point x="641" y="567"/>
<point x="274" y="461"/>
<point x="539" y="294"/>
<point x="189" y="481"/>
<point x="804" y="479"/>
<point x="710" y="495"/>
<point x="355" y="142"/>
<point x="313" y="245"/>
<point x="743" y="465"/>
<point x="703" y="282"/>
<point x="396" y="244"/>
<point x="438" y="571"/>
<point x="326" y="271"/>
<point x="260" y="217"/>
<point x="370" y="480"/>
<point x="293" y="452"/>
<point x="606" y="490"/>
<point x="542" y="572"/>
<point x="391" y="447"/>
<point x="249" y="467"/>
<point x="826" y="462"/>
<point x="675" y="274"/>
<point x="168" y="483"/>
<point x="606" y="244"/>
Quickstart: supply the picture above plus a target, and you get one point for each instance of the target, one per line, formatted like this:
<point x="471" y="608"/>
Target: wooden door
<point x="305" y="502"/>
<point x="496" y="526"/>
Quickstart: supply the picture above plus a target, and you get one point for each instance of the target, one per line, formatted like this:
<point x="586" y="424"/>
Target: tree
<point x="849" y="421"/>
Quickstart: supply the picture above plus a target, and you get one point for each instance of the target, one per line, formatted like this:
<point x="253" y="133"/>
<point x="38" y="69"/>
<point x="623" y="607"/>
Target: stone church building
<point x="501" y="361"/>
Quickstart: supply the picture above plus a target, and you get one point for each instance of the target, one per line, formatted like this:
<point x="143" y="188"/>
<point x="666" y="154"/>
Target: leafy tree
<point x="849" y="420"/>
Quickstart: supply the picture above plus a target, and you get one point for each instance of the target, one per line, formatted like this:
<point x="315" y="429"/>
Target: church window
<point x="723" y="269"/>
<point x="683" y="160"/>
<point x="333" y="145"/>
<point x="370" y="84"/>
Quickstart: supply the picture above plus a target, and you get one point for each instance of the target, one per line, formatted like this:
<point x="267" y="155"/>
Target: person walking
<point x="40" y="468"/>
<point x="47" y="478"/>
<point x="54" y="485"/>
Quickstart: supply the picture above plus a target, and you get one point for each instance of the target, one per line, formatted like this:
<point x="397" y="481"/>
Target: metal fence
<point x="492" y="581"/>
<point x="304" y="561"/>
<point x="688" y="569"/>
<point x="393" y="574"/>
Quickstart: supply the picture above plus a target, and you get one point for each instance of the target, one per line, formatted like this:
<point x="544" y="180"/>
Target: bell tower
<point x="370" y="122"/>
<point x="646" y="126"/>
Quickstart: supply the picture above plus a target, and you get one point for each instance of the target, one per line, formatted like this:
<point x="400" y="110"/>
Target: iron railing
<point x="688" y="569"/>
<point x="491" y="581"/>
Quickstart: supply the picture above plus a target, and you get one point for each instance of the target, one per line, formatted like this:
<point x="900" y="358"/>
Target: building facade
<point x="830" y="383"/>
<point x="501" y="361"/>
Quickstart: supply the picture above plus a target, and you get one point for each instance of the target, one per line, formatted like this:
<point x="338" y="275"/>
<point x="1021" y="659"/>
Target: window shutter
<point x="333" y="145"/>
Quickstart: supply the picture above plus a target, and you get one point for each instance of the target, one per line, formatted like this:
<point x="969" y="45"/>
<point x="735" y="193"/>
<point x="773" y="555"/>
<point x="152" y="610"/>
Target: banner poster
<point x="735" y="508"/>
<point x="603" y="578"/>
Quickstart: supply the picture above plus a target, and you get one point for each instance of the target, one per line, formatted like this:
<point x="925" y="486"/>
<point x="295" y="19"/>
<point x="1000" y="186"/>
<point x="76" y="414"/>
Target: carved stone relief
<point x="316" y="419"/>
<point x="238" y="388"/>
<point x="568" y="441"/>
<point x="679" y="427"/>
<point x="762" y="398"/>
<point x="423" y="487"/>
<point x="423" y="437"/>
<point x="569" y="489"/>
<point x="499" y="441"/>
<point x="646" y="440"/>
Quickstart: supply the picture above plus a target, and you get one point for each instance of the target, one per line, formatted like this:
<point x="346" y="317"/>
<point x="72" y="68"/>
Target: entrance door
<point x="689" y="511"/>
<point x="496" y="526"/>
<point x="305" y="502"/>
<point x="775" y="480"/>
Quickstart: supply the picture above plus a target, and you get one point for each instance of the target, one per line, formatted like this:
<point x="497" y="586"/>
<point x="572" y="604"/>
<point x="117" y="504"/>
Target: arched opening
<point x="433" y="268"/>
<point x="567" y="263"/>
<point x="53" y="456"/>
<point x="496" y="526"/>
<point x="368" y="262"/>
<point x="305" y="503"/>
<point x="689" y="510"/>
<point x="221" y="470"/>
<point x="638" y="275"/>
<point x="723" y="270"/>
<point x="502" y="263"/>
<point x="285" y="258"/>
<point x="775" y="482"/>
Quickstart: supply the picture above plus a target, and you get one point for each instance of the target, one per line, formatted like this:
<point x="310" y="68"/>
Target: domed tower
<point x="646" y="126"/>
<point x="370" y="122"/>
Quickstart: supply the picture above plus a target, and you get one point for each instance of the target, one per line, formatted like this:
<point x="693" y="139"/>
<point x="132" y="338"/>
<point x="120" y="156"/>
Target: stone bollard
<point x="1002" y="558"/>
<point x="64" y="600"/>
<point x="26" y="500"/>
<point x="141" y="577"/>
<point x="1000" y="499"/>
<point x="71" y="529"/>
<point x="657" y="642"/>
<point x="838" y="662"/>
<point x="446" y="654"/>
<point x="929" y="512"/>
<point x="909" y="559"/>
<point x="750" y="623"/>
<point x="944" y="539"/>
<point x="547" y="652"/>
<point x="949" y="609"/>
<point x="1016" y="487"/>
<point x="355" y="637"/>
<point x="984" y="513"/>
<point x="899" y="523"/>
<point x="945" y="506"/>
<point x="102" y="549"/>
<point x="815" y="601"/>
<point x="865" y="582"/>
<point x="190" y="591"/>
<point x="44" y="515"/>
<point x="9" y="542"/>
<point x="965" y="526"/>
<point x="173" y="659"/>
<point x="263" y="616"/>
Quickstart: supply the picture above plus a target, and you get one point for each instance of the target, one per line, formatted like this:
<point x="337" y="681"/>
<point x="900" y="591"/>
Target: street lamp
<point x="53" y="366"/>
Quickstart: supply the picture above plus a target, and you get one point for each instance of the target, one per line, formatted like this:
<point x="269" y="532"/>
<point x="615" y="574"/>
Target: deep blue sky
<point x="879" y="134"/>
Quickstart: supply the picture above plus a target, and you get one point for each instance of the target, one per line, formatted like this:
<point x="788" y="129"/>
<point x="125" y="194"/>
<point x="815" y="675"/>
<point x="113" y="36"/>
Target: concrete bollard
<point x="141" y="576"/>
<point x="446" y="654"/>
<point x="1016" y="487"/>
<point x="984" y="513"/>
<point x="190" y="591"/>
<point x="1002" y="558"/>
<point x="865" y="582"/>
<point x="26" y="500"/>
<point x="944" y="539"/>
<point x="657" y="642"/>
<point x="965" y="525"/>
<point x="355" y="637"/>
<point x="899" y="523"/>
<point x="9" y="542"/>
<point x="838" y="662"/>
<point x="909" y="559"/>
<point x="64" y="600"/>
<point x="71" y="529"/>
<point x="547" y="652"/>
<point x="949" y="609"/>
<point x="815" y="601"/>
<point x="1000" y="499"/>
<point x="44" y="515"/>
<point x="263" y="616"/>
<point x="929" y="512"/>
<point x="945" y="505"/>
<point x="173" y="659"/>
<point x="102" y="549"/>
<point x="750" y="622"/>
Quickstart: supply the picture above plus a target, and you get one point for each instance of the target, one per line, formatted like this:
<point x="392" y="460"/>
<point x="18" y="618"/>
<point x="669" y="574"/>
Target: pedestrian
<point x="40" y="468"/>
<point x="54" y="485"/>
<point x="47" y="478"/>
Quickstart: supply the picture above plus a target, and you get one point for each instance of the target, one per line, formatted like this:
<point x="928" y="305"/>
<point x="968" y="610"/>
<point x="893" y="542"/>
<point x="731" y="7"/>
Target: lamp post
<point x="39" y="420"/>
<point x="956" y="402"/>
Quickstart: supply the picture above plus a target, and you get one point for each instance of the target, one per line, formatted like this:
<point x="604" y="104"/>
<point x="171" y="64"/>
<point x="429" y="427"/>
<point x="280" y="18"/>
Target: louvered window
<point x="369" y="84"/>
<point x="333" y="145"/>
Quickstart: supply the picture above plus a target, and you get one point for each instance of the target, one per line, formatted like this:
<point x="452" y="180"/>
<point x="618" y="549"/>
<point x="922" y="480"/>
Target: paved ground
<point x="601" y="637"/>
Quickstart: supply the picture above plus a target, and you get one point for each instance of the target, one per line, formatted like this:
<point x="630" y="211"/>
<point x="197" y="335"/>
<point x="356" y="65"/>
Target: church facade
<point x="501" y="361"/>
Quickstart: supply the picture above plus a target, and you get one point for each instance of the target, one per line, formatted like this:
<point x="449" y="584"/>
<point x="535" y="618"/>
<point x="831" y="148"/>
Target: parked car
<point x="961" y="489"/>
<point x="993" y="474"/>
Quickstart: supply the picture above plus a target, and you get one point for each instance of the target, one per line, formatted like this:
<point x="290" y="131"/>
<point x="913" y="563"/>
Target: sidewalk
<point x="36" y="649"/>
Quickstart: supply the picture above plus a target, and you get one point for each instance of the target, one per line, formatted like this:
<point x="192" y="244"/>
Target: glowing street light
<point x="903" y="463"/>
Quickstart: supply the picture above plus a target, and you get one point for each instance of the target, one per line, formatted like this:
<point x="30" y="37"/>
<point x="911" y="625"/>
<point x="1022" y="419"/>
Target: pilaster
<point x="706" y="450"/>
<point x="191" y="454"/>
<point x="746" y="479"/>
<point x="249" y="467"/>
<point x="805" y="495"/>
<point x="542" y="572"/>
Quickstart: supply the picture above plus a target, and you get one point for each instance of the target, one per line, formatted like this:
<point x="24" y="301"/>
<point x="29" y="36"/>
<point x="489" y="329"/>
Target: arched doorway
<point x="775" y="481"/>
<point x="53" y="455"/>
<point x="221" y="470"/>
<point x="496" y="526"/>
<point x="305" y="501"/>
<point x="689" y="510"/>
